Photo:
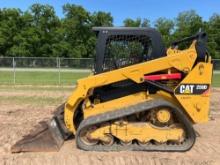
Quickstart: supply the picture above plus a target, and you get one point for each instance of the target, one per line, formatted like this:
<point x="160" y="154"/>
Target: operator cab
<point x="118" y="47"/>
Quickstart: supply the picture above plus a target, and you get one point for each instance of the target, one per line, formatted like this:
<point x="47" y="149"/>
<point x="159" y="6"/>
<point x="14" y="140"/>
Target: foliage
<point x="213" y="30"/>
<point x="136" y="23"/>
<point x="40" y="32"/>
<point x="165" y="27"/>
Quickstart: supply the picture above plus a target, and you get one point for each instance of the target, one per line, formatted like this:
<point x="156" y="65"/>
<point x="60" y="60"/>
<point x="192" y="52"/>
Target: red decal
<point x="172" y="76"/>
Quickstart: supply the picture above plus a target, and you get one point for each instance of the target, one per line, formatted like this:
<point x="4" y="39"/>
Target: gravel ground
<point x="18" y="119"/>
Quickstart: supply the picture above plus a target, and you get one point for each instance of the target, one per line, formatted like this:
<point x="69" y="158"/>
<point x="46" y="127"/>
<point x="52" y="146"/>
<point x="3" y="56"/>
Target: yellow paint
<point x="163" y="115"/>
<point x="196" y="106"/>
<point x="116" y="104"/>
<point x="143" y="132"/>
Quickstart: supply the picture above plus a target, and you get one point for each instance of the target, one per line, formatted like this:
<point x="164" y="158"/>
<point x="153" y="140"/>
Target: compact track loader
<point x="140" y="96"/>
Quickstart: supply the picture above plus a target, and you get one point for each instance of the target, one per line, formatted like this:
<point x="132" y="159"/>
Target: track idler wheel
<point x="109" y="140"/>
<point x="85" y="137"/>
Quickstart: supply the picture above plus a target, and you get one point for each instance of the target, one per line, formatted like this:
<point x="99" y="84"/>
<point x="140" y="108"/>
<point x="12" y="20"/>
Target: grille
<point x="125" y="50"/>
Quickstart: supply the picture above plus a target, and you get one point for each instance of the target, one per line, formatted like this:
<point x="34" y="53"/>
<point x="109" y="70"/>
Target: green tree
<point x="97" y="19"/>
<point x="101" y="19"/>
<point x="33" y="32"/>
<point x="77" y="25"/>
<point x="132" y="23"/>
<point x="187" y="24"/>
<point x="39" y="32"/>
<point x="128" y="22"/>
<point x="46" y="25"/>
<point x="165" y="27"/>
<point x="145" y="23"/>
<point x="21" y="40"/>
<point x="213" y="35"/>
<point x="10" y="26"/>
<point x="77" y="29"/>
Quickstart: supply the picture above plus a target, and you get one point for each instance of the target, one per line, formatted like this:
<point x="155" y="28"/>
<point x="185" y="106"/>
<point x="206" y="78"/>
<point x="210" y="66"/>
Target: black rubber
<point x="160" y="86"/>
<point x="59" y="119"/>
<point x="145" y="106"/>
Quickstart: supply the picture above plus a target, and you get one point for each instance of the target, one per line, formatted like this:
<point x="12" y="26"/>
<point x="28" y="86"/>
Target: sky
<point x="122" y="9"/>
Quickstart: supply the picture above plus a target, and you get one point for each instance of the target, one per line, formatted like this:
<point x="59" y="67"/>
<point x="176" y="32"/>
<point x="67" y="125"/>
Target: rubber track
<point x="145" y="106"/>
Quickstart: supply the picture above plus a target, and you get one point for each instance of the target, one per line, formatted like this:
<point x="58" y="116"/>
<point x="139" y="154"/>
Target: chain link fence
<point x="43" y="71"/>
<point x="55" y="71"/>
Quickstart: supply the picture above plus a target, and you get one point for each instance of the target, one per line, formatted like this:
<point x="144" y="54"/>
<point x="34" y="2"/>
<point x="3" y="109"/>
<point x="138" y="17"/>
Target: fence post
<point x="58" y="64"/>
<point x="14" y="76"/>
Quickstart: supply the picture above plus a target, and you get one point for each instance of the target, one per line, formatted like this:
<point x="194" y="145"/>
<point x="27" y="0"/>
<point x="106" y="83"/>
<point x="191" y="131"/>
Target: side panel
<point x="115" y="104"/>
<point x="193" y="92"/>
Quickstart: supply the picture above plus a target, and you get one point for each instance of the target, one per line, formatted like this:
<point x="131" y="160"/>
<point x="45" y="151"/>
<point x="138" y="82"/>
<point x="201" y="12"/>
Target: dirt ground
<point x="18" y="117"/>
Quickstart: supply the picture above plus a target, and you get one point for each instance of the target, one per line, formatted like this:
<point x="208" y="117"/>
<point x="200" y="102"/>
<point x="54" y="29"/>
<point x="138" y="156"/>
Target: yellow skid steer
<point x="140" y="96"/>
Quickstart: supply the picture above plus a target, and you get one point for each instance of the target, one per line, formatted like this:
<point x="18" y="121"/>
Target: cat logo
<point x="192" y="89"/>
<point x="187" y="89"/>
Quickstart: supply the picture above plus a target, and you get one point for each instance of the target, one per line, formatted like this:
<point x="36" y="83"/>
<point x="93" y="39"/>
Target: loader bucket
<point x="45" y="137"/>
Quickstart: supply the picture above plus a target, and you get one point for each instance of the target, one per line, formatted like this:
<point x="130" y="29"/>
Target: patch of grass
<point x="34" y="88"/>
<point x="31" y="100"/>
<point x="41" y="77"/>
<point x="51" y="78"/>
<point x="6" y="77"/>
<point x="216" y="80"/>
